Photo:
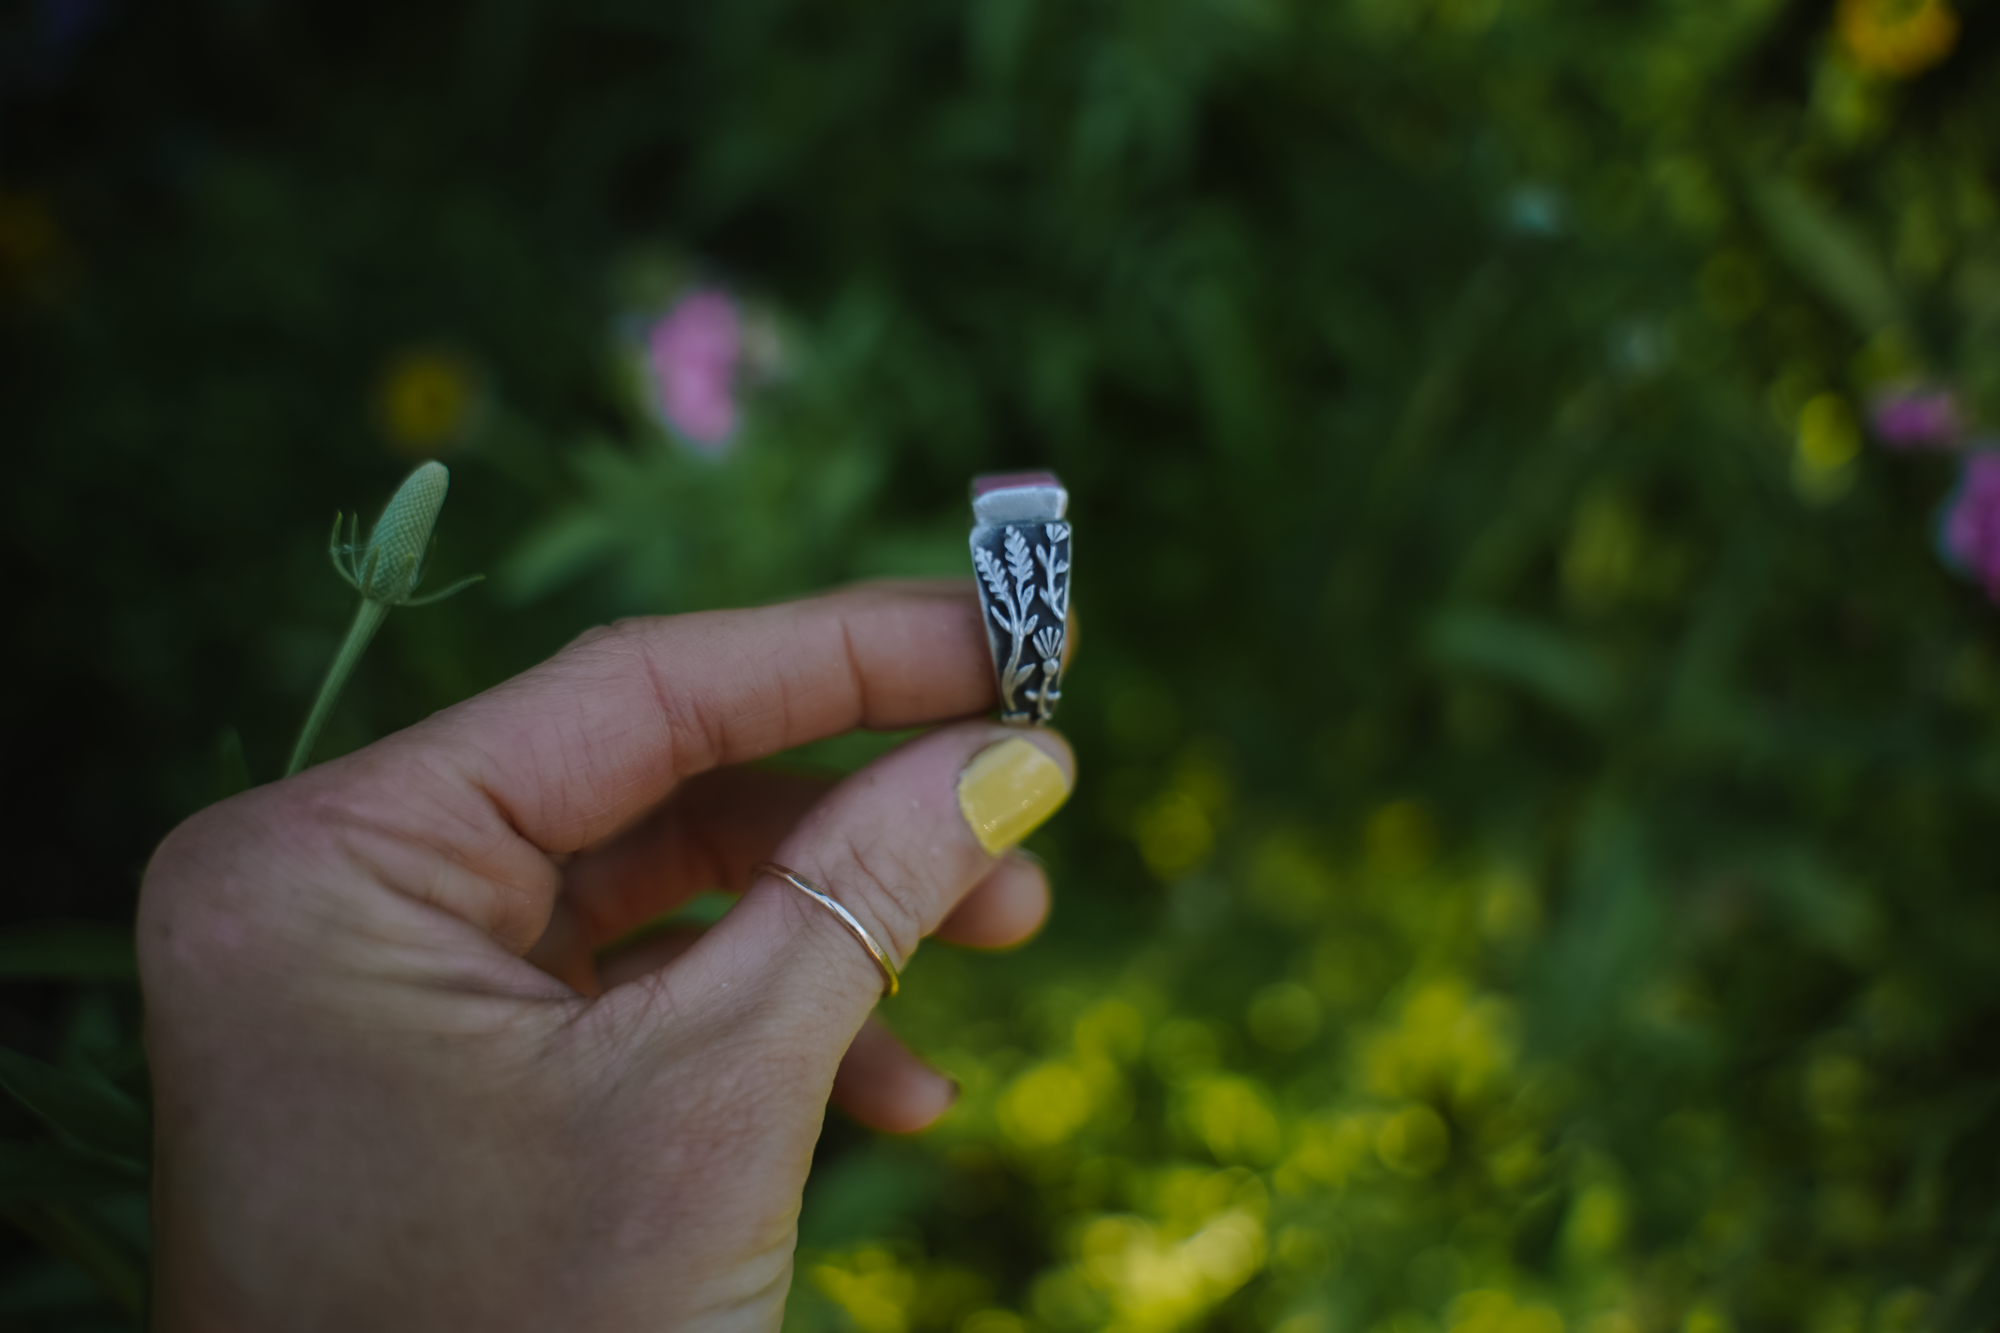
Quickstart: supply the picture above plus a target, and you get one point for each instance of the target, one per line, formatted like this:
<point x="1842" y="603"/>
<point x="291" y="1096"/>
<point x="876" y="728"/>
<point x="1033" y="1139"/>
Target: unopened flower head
<point x="395" y="555"/>
<point x="386" y="573"/>
<point x="389" y="568"/>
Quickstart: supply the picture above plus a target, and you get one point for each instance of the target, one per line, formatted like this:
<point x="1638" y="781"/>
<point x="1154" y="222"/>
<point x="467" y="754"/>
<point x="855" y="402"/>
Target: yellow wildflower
<point x="429" y="400"/>
<point x="1897" y="38"/>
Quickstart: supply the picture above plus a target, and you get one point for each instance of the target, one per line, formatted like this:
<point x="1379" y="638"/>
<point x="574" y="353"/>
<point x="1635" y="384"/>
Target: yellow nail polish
<point x="1007" y="790"/>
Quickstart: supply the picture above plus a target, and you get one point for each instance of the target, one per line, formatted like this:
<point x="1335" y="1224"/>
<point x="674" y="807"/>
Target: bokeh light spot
<point x="1401" y="837"/>
<point x="1414" y="1142"/>
<point x="1234" y="1119"/>
<point x="1045" y="1105"/>
<point x="1283" y="1016"/>
<point x="1174" y="835"/>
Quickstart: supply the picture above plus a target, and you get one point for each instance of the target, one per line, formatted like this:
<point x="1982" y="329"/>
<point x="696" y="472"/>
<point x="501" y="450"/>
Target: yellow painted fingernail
<point x="1007" y="790"/>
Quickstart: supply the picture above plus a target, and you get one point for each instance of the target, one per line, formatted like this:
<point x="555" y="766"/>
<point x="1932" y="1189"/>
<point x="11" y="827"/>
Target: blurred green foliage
<point x="1533" y="869"/>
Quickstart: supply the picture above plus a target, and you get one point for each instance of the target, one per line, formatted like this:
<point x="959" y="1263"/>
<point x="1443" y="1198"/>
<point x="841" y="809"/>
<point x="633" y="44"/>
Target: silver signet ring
<point x="1021" y="553"/>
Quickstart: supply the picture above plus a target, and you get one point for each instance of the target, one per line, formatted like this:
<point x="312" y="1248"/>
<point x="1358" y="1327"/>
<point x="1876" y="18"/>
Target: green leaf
<point x="49" y="1172"/>
<point x="232" y="769"/>
<point x="1605" y="947"/>
<point x="68" y="951"/>
<point x="56" y="1296"/>
<point x="86" y="1241"/>
<point x="1828" y="254"/>
<point x="564" y="548"/>
<point x="80" y="1108"/>
<point x="865" y="1193"/>
<point x="1543" y="661"/>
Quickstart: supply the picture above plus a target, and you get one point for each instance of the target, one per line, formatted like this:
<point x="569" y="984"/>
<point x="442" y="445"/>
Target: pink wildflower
<point x="693" y="352"/>
<point x="1969" y="531"/>
<point x="1918" y="417"/>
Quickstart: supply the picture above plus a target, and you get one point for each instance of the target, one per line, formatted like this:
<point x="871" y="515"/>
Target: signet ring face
<point x="1021" y="554"/>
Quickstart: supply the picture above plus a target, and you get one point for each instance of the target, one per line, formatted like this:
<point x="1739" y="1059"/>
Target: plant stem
<point x="366" y="621"/>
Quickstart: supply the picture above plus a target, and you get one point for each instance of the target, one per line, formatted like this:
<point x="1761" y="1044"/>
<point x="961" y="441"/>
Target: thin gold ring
<point x="881" y="956"/>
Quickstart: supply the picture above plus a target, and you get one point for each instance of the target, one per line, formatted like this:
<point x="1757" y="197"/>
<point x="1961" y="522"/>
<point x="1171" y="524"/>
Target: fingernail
<point x="1007" y="790"/>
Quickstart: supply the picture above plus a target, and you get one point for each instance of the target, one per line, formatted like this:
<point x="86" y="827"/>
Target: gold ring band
<point x="881" y="956"/>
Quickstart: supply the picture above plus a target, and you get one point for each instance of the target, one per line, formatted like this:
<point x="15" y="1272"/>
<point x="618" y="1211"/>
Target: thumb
<point x="897" y="844"/>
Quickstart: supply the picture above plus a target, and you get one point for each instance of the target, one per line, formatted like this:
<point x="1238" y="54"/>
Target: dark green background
<point x="1493" y="725"/>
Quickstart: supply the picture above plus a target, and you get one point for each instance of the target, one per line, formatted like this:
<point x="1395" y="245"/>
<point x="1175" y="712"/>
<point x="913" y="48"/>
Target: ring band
<point x="881" y="956"/>
<point x="1021" y="554"/>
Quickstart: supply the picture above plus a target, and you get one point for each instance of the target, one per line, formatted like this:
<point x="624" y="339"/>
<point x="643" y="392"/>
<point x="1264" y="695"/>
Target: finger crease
<point x="856" y="676"/>
<point x="678" y="716"/>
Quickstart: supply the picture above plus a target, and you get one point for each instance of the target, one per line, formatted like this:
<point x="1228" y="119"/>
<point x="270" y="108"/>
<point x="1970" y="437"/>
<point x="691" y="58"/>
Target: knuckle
<point x="875" y="874"/>
<point x="597" y="636"/>
<point x="629" y="649"/>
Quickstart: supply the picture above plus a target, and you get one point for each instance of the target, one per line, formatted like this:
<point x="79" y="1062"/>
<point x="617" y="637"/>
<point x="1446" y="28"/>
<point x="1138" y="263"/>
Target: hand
<point x="393" y="1088"/>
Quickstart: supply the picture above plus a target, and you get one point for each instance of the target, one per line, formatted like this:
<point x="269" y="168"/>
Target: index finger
<point x="578" y="747"/>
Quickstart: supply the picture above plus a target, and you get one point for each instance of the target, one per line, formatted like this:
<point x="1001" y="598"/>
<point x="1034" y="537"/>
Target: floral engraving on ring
<point x="1016" y="576"/>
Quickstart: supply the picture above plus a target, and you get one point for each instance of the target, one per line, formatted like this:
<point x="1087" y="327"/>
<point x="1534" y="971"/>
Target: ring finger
<point x="899" y="845"/>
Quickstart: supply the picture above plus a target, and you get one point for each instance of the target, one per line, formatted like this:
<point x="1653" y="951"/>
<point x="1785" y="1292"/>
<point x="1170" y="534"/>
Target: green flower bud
<point x="388" y="569"/>
<point x="386" y="573"/>
<point x="392" y="564"/>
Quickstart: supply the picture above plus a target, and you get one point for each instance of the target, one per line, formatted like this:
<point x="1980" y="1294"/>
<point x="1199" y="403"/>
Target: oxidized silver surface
<point x="1021" y="552"/>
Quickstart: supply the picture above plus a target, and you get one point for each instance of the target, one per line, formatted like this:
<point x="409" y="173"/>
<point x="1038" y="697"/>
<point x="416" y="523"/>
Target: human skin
<point x="395" y="1087"/>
